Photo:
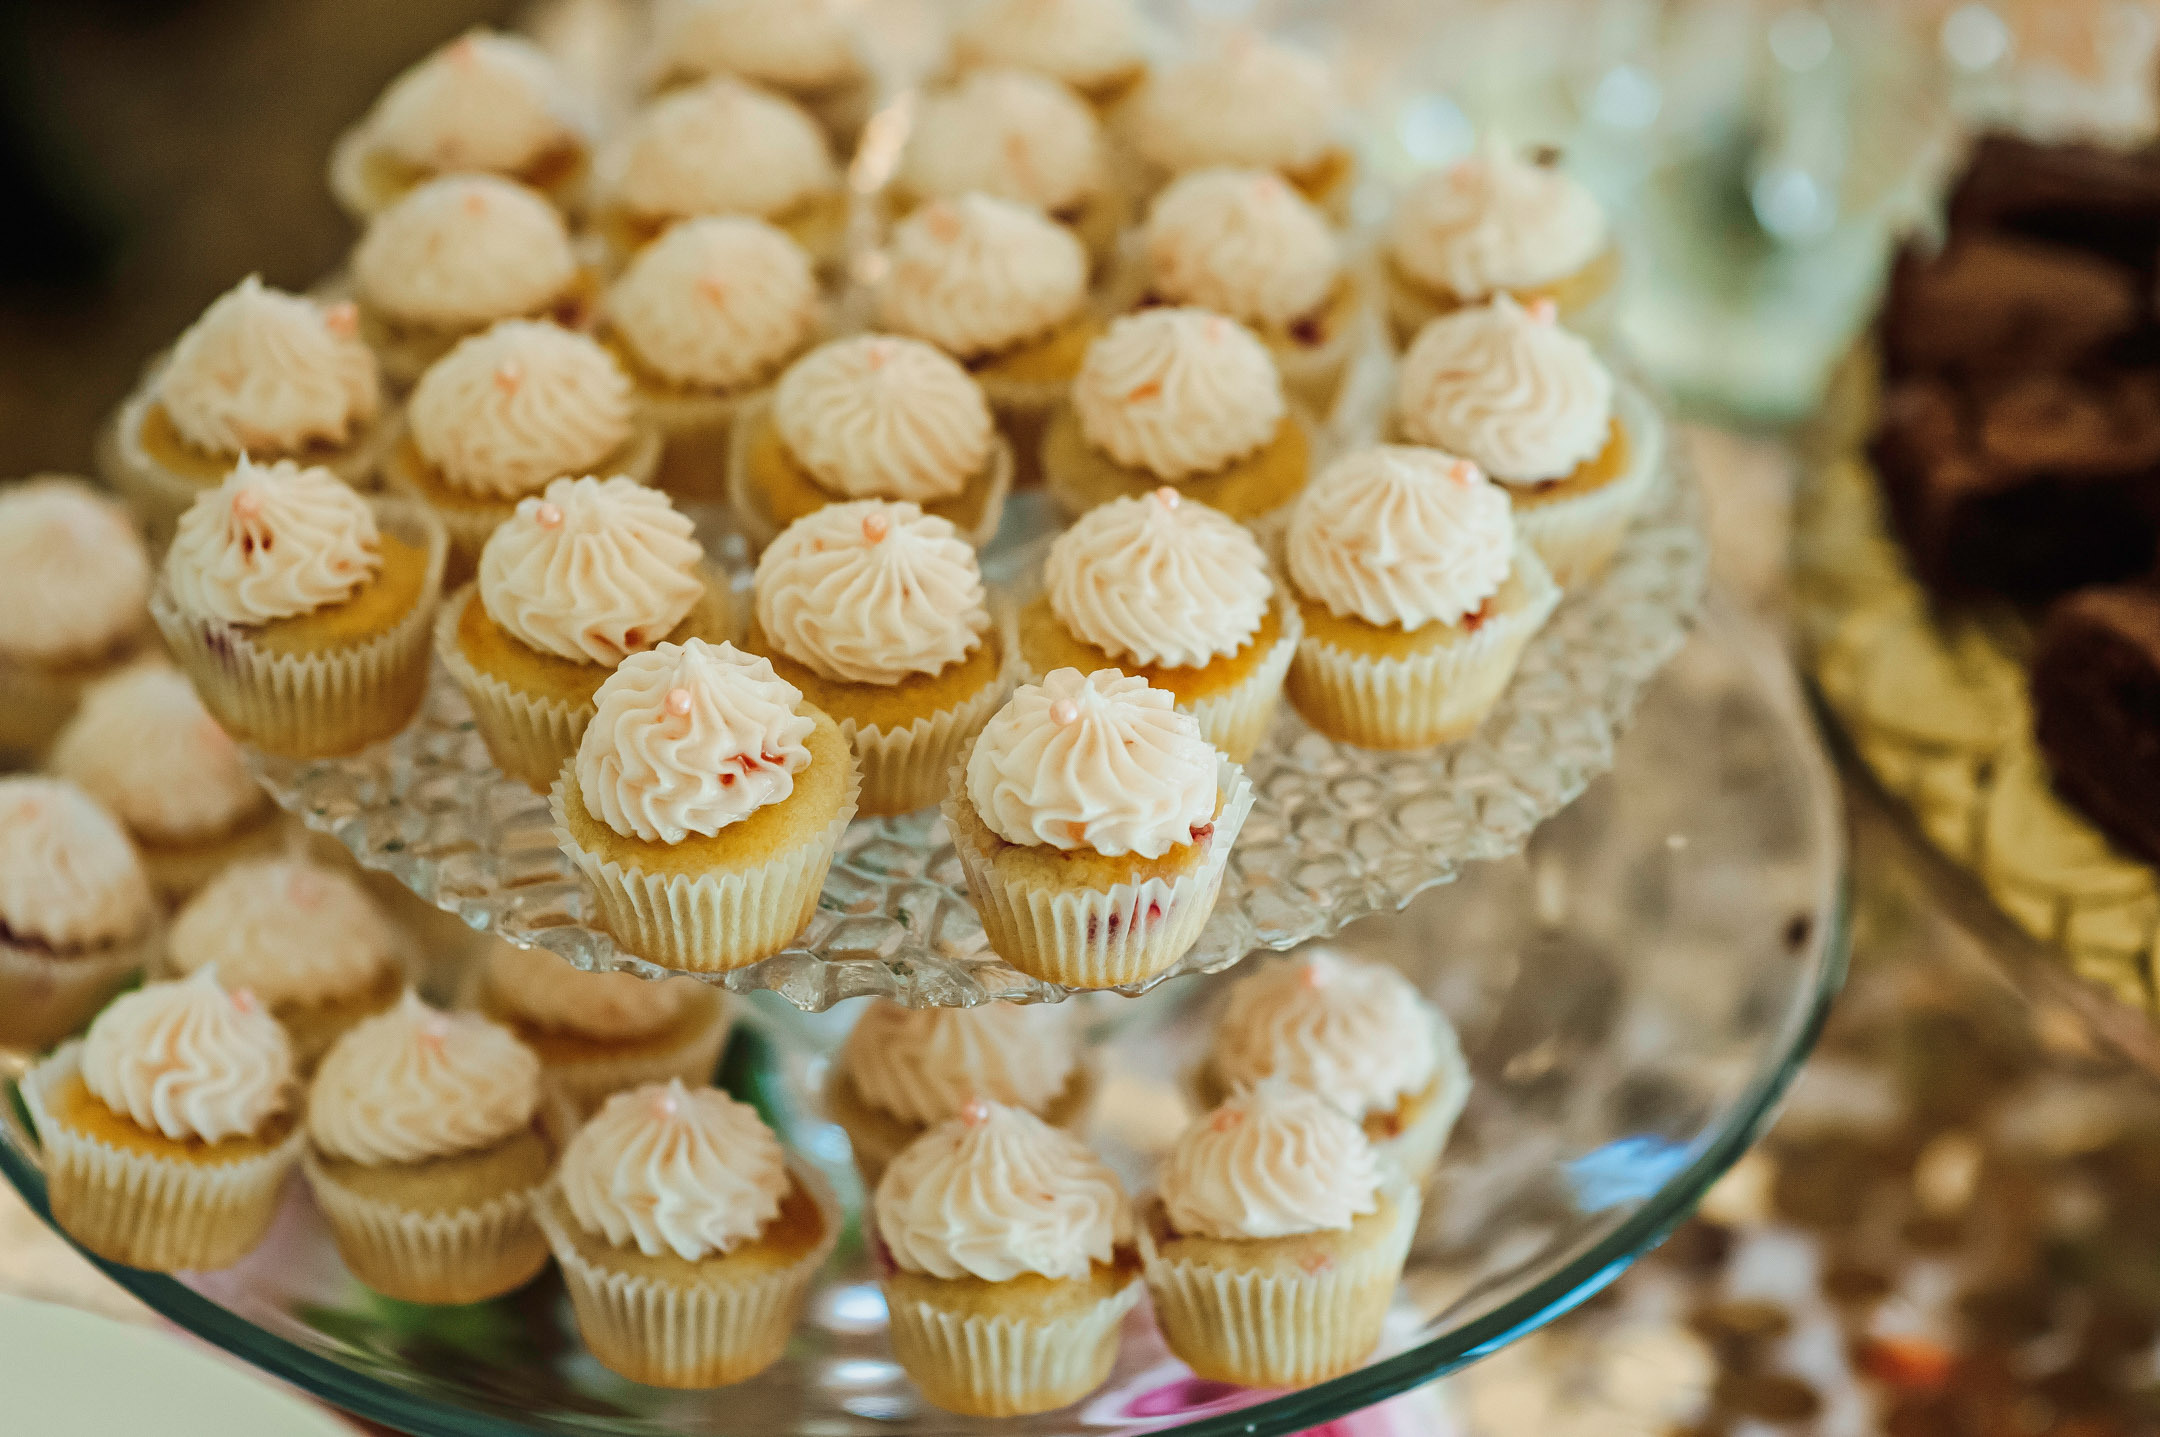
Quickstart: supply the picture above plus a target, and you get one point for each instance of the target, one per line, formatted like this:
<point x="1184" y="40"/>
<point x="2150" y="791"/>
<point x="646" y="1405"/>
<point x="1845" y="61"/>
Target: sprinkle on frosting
<point x="190" y="1060"/>
<point x="1273" y="1161"/>
<point x="291" y="931"/>
<point x="1098" y="761"/>
<point x="272" y="541"/>
<point x="592" y="569"/>
<point x="1396" y="534"/>
<point x="803" y="45"/>
<point x="462" y="251"/>
<point x="1086" y="43"/>
<point x="720" y="147"/>
<point x="1495" y="221"/>
<point x="1508" y="388"/>
<point x="1250" y="102"/>
<point x="543" y="990"/>
<point x="416" y="1083"/>
<point x="485" y="101"/>
<point x="1159" y="580"/>
<point x="669" y="1169"/>
<point x="1013" y="134"/>
<point x="977" y="275"/>
<point x="1243" y="242"/>
<point x="922" y="1065"/>
<point x="69" y="878"/>
<point x="142" y="744"/>
<point x="689" y="738"/>
<point x="267" y="373"/>
<point x="1178" y="392"/>
<point x="74" y="578"/>
<point x="1357" y="1034"/>
<point x="717" y="302"/>
<point x="997" y="1193"/>
<point x="519" y="404"/>
<point x="877" y="416"/>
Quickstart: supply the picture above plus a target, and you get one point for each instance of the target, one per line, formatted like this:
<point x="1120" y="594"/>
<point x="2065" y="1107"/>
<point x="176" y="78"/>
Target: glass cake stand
<point x="1634" y="990"/>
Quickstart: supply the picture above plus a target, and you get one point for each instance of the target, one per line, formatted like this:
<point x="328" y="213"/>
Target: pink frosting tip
<point x="1064" y="711"/>
<point x="244" y="999"/>
<point x="547" y="516"/>
<point x="1544" y="311"/>
<point x="974" y="1112"/>
<point x="665" y="1103"/>
<point x="247" y="503"/>
<point x="678" y="702"/>
<point x="875" y="526"/>
<point x="509" y="375"/>
<point x="1462" y="471"/>
<point x="342" y="319"/>
<point x="1168" y="497"/>
<point x="712" y="290"/>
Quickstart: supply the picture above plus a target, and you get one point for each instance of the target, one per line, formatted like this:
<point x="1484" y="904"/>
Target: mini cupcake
<point x="1495" y="224"/>
<point x="306" y="940"/>
<point x="599" y="1033"/>
<point x="1093" y="823"/>
<point x="454" y="256"/>
<point x="903" y="1071"/>
<point x="426" y="1149"/>
<point x="580" y="576"/>
<point x="1250" y="102"/>
<point x="143" y="745"/>
<point x="1183" y="397"/>
<point x="169" y="1130"/>
<point x="264" y="374"/>
<point x="702" y="319"/>
<point x="77" y="917"/>
<point x="1095" y="46"/>
<point x="1178" y="595"/>
<point x="1357" y="1034"/>
<point x="873" y="416"/>
<point x="1012" y="1264"/>
<point x="704" y="805"/>
<point x="687" y="1236"/>
<point x="1532" y="404"/>
<point x="1418" y="598"/>
<point x="74" y="602"/>
<point x="809" y="50"/>
<point x="505" y="412"/>
<point x="1275" y="1242"/>
<point x="301" y="610"/>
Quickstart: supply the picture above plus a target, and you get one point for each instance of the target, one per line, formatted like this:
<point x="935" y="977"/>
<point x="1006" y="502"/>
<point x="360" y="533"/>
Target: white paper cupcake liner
<point x="1578" y="536"/>
<point x="530" y="737"/>
<point x="145" y="1210"/>
<point x="906" y="769"/>
<point x="1007" y="1366"/>
<point x="47" y="996"/>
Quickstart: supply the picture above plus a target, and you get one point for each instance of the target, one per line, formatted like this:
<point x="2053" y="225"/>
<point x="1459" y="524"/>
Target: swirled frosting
<point x="689" y="738"/>
<point x="1082" y="42"/>
<point x="190" y="1060"/>
<point x="795" y="44"/>
<point x="669" y="1169"/>
<point x="1251" y="102"/>
<point x="542" y="989"/>
<point x="592" y="569"/>
<point x="720" y="147"/>
<point x="266" y="372"/>
<point x="976" y="275"/>
<point x="415" y="1083"/>
<point x="517" y="405"/>
<point x="1272" y="1161"/>
<point x="464" y="250"/>
<point x="272" y="541"/>
<point x="995" y="1193"/>
<point x="717" y="302"/>
<point x="69" y="878"/>
<point x="1357" y="1034"/>
<point x="1159" y="580"/>
<point x="1177" y="392"/>
<point x="1395" y="534"/>
<point x="485" y="101"/>
<point x="1013" y="134"/>
<point x="1097" y="761"/>
<point x="1242" y="242"/>
<point x="74" y="578"/>
<point x="1495" y="221"/>
<point x="1515" y="392"/>
<point x="290" y="930"/>
<point x="922" y="1065"/>
<point x="142" y="744"/>
<point x="877" y="416"/>
<point x="871" y="592"/>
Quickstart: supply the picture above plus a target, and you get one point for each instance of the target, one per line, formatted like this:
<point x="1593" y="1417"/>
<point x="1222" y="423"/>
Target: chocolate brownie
<point x="2099" y="200"/>
<point x="2096" y="709"/>
<point x="1989" y="303"/>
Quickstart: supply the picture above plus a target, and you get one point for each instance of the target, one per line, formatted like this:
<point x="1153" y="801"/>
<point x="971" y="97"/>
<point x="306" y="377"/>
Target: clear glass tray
<point x="1633" y="990"/>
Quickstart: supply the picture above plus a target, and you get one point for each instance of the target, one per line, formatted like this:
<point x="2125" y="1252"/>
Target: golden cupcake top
<point x="1247" y="101"/>
<point x="1402" y="535"/>
<point x="974" y="275"/>
<point x="74" y="577"/>
<point x="1508" y="386"/>
<point x="143" y="745"/>
<point x="592" y="569"/>
<point x="1274" y="1160"/>
<point x="717" y="302"/>
<point x="415" y="1083"/>
<point x="1241" y="242"/>
<point x="190" y="1060"/>
<point x="804" y="45"/>
<point x="1357" y="1034"/>
<point x="922" y="1065"/>
<point x="544" y="990"/>
<point x="267" y="372"/>
<point x="271" y="542"/>
<point x="1159" y="579"/>
<point x="288" y="930"/>
<point x="518" y="404"/>
<point x="463" y="250"/>
<point x="69" y="878"/>
<point x="1085" y="43"/>
<point x="1177" y="392"/>
<point x="717" y="147"/>
<point x="1013" y="134"/>
<point x="485" y="101"/>
<point x="673" y="1170"/>
<point x="1495" y="221"/>
<point x="879" y="416"/>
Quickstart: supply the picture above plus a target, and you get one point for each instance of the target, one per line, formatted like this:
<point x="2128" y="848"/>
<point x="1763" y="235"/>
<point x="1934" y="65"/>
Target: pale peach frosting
<point x="1177" y="392"/>
<point x="1400" y="535"/>
<point x="464" y="250"/>
<point x="143" y="745"/>
<point x="272" y="541"/>
<point x="74" y="577"/>
<point x="290" y="930"/>
<point x="1508" y="387"/>
<point x="69" y="878"/>
<point x="519" y="404"/>
<point x="415" y="1083"/>
<point x="1495" y="221"/>
<point x="871" y="592"/>
<point x="795" y="44"/>
<point x="1093" y="761"/>
<point x="977" y="275"/>
<point x="485" y="101"/>
<point x="1243" y="242"/>
<point x="542" y="989"/>
<point x="1010" y="133"/>
<point x="1272" y="1161"/>
<point x="1357" y="1034"/>
<point x="190" y="1060"/>
<point x="996" y="1193"/>
<point x="265" y="372"/>
<point x="720" y="147"/>
<point x="877" y="416"/>
<point x="1082" y="42"/>
<point x="671" y="1170"/>
<point x="592" y="569"/>
<point x="1251" y="101"/>
<point x="1159" y="580"/>
<point x="921" y="1065"/>
<point x="717" y="302"/>
<point x="689" y="738"/>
